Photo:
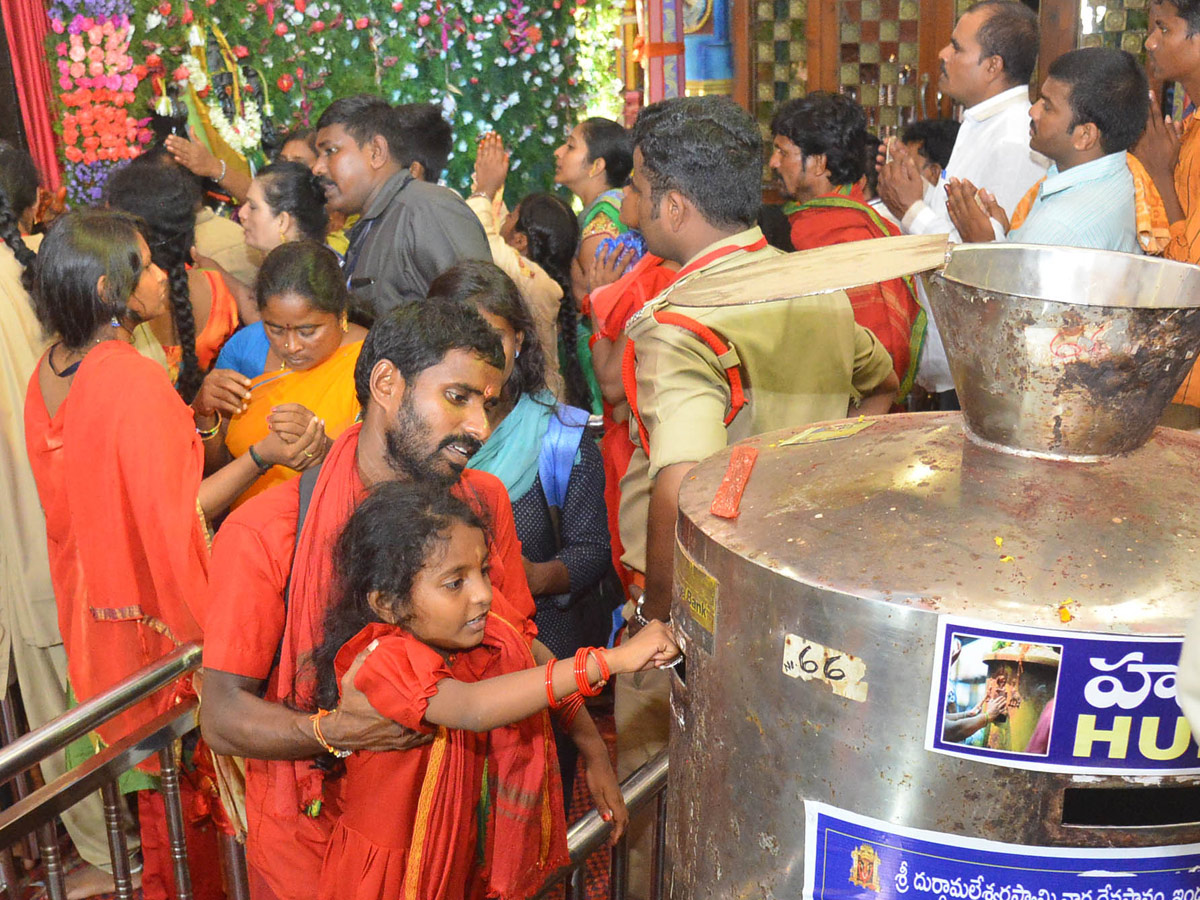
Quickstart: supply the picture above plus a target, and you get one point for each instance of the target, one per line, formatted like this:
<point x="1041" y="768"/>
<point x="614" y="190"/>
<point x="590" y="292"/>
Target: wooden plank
<point x="741" y="35"/>
<point x="818" y="271"/>
<point x="1059" y="26"/>
<point x="937" y="23"/>
<point x="824" y="45"/>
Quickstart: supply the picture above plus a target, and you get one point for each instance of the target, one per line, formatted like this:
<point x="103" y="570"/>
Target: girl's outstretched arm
<point x="597" y="766"/>
<point x="488" y="704"/>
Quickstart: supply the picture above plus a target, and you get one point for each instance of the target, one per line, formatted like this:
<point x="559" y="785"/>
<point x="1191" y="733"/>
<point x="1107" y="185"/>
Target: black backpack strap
<point x="308" y="482"/>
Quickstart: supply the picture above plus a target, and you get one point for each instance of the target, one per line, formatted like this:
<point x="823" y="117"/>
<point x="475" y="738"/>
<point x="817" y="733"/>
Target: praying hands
<point x="972" y="211"/>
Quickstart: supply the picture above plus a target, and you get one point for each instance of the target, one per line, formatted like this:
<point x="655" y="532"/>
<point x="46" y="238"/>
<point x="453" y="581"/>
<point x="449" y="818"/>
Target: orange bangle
<point x="554" y="704"/>
<point x="581" y="677"/>
<point x="316" y="718"/>
<point x="570" y="709"/>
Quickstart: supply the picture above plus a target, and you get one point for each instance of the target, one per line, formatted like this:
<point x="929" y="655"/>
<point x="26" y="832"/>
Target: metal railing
<point x="36" y="811"/>
<point x="648" y="784"/>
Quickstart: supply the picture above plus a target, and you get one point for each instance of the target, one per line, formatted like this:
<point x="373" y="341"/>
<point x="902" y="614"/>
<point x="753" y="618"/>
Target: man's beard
<point x="405" y="442"/>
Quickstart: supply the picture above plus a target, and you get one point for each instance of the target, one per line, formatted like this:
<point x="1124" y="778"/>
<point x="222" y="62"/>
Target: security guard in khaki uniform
<point x="700" y="376"/>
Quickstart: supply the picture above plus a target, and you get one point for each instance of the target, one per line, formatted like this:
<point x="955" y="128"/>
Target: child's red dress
<point x="410" y="825"/>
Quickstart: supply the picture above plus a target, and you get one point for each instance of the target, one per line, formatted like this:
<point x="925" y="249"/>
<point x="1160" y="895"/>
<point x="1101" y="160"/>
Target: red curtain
<point x="25" y="24"/>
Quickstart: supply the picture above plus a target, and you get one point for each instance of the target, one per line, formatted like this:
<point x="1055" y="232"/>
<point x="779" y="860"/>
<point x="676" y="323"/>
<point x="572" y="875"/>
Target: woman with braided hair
<point x="203" y="311"/>
<point x="118" y="462"/>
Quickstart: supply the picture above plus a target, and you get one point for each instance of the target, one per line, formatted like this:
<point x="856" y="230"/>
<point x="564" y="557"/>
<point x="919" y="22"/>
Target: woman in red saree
<point x="478" y="811"/>
<point x="118" y="467"/>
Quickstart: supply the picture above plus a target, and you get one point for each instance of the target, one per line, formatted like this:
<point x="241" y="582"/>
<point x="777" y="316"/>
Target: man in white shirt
<point x="986" y="67"/>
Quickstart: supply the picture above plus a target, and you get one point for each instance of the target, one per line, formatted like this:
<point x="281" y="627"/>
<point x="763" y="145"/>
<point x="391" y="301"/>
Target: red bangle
<point x="602" y="664"/>
<point x="570" y="709"/>
<point x="581" y="677"/>
<point x="554" y="704"/>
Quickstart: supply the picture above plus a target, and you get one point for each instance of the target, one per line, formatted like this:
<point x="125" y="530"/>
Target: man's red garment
<point x="613" y="306"/>
<point x="889" y="309"/>
<point x="289" y="815"/>
<point x="118" y="470"/>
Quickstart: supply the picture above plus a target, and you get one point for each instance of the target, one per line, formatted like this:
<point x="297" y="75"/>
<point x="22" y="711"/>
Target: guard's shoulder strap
<point x="727" y="358"/>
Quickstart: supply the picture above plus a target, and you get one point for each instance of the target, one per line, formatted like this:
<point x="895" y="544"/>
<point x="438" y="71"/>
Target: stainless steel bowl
<point x="1064" y="352"/>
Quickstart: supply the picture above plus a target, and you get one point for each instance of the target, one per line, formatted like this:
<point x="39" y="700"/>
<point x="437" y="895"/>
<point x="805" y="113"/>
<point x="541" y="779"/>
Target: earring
<point x="517" y="355"/>
<point x="345" y="321"/>
<point x="283" y="238"/>
<point x="115" y="323"/>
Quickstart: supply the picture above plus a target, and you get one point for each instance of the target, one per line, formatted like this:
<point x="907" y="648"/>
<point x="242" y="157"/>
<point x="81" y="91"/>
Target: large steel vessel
<point x="940" y="646"/>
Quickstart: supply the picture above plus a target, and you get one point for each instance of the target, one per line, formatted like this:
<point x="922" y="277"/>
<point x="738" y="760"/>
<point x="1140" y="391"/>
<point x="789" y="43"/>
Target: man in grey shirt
<point x="409" y="231"/>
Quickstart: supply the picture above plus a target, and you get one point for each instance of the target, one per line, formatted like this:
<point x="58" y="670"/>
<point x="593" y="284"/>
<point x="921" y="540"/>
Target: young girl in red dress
<point x="477" y="812"/>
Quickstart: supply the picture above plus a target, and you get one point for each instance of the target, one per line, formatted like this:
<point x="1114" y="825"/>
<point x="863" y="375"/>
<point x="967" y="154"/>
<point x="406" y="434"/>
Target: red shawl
<point x="118" y="470"/>
<point x="338" y="490"/>
<point x="614" y="304"/>
<point x="889" y="309"/>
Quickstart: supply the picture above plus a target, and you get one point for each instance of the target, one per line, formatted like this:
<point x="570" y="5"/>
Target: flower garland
<point x="244" y="136"/>
<point x="527" y="69"/>
<point x="98" y="80"/>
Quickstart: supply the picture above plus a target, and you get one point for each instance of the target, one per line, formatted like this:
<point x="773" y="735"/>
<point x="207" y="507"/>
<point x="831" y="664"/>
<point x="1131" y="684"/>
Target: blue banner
<point x="1059" y="701"/>
<point x="853" y="857"/>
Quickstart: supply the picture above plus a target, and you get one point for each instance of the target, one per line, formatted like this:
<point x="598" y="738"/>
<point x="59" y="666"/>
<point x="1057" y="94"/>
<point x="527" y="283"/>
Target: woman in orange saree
<point x="309" y="370"/>
<point x="118" y="468"/>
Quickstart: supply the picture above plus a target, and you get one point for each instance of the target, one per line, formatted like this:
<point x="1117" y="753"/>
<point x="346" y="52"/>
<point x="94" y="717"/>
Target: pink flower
<point x="423" y="19"/>
<point x="113" y="82"/>
<point x="108" y="28"/>
<point x="129" y="82"/>
<point x="64" y="83"/>
<point x="95" y="54"/>
<point x="181" y="74"/>
<point x="57" y="26"/>
<point x="95" y="34"/>
<point x="64" y="67"/>
<point x="77" y="70"/>
<point x="95" y="68"/>
<point x="78" y="54"/>
<point x="60" y="48"/>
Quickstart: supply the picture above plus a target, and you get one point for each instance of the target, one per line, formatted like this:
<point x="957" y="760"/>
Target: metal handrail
<point x="32" y="748"/>
<point x="589" y="833"/>
<point x="72" y="786"/>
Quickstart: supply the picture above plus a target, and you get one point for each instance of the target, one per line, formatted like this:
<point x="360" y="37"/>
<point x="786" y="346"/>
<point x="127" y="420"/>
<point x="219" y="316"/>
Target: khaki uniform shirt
<point x="802" y="360"/>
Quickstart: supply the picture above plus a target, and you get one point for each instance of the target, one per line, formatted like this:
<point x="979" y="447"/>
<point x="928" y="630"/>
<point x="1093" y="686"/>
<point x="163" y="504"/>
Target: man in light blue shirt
<point x="1092" y="109"/>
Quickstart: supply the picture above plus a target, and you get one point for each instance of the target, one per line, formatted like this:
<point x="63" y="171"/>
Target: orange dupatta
<point x="327" y="390"/>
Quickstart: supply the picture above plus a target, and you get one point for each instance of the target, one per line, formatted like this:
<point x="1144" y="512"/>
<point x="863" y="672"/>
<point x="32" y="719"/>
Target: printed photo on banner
<point x="848" y="856"/>
<point x="999" y="694"/>
<point x="1058" y="701"/>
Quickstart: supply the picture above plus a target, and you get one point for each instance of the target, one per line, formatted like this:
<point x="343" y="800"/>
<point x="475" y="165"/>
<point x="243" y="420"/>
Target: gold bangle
<point x="316" y="718"/>
<point x="207" y="433"/>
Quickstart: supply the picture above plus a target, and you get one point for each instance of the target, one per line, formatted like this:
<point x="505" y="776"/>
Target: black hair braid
<point x="574" y="382"/>
<point x="166" y="202"/>
<point x="190" y="376"/>
<point x="553" y="234"/>
<point x="11" y="235"/>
